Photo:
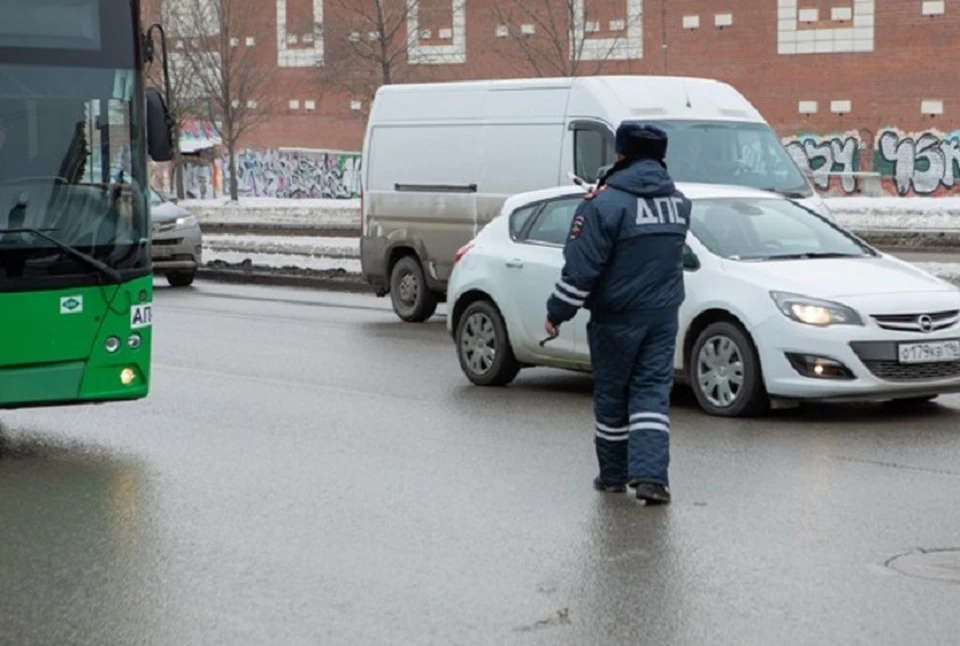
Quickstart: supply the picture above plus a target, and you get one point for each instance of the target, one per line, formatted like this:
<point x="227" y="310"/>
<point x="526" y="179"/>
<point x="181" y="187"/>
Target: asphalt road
<point x="308" y="470"/>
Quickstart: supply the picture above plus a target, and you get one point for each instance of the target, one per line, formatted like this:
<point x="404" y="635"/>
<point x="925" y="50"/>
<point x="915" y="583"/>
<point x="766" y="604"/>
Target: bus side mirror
<point x="159" y="131"/>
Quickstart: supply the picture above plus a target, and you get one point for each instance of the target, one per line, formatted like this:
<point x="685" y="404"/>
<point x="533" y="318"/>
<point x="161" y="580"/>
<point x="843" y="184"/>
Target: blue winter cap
<point x="637" y="140"/>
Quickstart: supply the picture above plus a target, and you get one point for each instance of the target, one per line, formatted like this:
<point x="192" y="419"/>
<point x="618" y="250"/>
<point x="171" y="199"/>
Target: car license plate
<point x="930" y="352"/>
<point x="161" y="251"/>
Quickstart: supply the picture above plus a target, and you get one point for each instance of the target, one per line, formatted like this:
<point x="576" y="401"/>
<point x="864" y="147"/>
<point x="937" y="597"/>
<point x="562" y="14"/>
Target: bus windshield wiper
<point x="73" y="252"/>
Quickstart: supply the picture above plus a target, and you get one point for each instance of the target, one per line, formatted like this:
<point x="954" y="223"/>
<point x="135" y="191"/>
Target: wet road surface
<point x="308" y="470"/>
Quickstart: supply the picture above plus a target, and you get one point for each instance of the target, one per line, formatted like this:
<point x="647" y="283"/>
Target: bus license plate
<point x="931" y="352"/>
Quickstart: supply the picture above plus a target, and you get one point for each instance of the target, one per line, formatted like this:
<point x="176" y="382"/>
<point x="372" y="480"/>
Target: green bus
<point x="76" y="127"/>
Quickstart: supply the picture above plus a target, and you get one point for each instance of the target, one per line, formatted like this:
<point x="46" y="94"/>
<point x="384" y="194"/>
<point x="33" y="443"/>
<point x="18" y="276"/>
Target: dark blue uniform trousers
<point x="632" y="381"/>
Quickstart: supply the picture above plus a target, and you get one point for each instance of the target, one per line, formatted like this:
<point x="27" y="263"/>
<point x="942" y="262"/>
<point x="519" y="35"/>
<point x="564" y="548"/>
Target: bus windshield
<point x="70" y="143"/>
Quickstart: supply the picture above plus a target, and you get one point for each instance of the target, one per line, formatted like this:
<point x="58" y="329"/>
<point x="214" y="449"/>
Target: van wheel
<point x="413" y="301"/>
<point x="725" y="373"/>
<point x="483" y="347"/>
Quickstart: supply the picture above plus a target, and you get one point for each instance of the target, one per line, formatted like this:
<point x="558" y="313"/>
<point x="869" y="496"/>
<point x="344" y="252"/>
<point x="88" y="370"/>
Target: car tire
<point x="907" y="403"/>
<point x="181" y="278"/>
<point x="413" y="301"/>
<point x="720" y="395"/>
<point x="481" y="327"/>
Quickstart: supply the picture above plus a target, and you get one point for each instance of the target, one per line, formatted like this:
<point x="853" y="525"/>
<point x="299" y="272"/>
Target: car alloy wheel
<point x="720" y="371"/>
<point x="478" y="343"/>
<point x="483" y="347"/>
<point x="725" y="372"/>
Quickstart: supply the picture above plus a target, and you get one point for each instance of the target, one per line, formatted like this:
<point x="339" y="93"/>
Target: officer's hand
<point x="551" y="329"/>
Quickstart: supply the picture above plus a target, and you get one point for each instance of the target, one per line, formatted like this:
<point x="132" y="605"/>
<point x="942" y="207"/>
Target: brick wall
<point x="841" y="80"/>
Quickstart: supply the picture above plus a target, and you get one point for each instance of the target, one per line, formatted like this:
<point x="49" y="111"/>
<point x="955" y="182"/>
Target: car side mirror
<point x="603" y="171"/>
<point x="159" y="130"/>
<point x="690" y="260"/>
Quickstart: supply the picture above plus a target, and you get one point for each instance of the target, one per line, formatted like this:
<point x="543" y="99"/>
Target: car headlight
<point x="186" y="221"/>
<point x="814" y="311"/>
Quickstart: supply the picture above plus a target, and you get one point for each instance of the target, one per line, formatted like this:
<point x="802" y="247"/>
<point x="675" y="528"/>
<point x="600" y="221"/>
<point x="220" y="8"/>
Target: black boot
<point x="652" y="493"/>
<point x="600" y="485"/>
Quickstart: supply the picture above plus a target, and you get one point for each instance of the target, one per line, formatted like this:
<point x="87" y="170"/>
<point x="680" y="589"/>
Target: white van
<point x="439" y="159"/>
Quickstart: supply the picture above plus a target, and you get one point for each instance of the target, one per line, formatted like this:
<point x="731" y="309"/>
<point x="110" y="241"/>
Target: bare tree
<point x="555" y="38"/>
<point x="368" y="44"/>
<point x="217" y="76"/>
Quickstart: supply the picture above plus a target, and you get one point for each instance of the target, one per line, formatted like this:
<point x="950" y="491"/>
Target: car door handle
<point x="515" y="263"/>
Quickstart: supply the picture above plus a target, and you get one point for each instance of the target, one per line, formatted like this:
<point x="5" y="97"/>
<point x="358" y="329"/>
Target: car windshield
<point x="756" y="228"/>
<point x="69" y="143"/>
<point x="740" y="153"/>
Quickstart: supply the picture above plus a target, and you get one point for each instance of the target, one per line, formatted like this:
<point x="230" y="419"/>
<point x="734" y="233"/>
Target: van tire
<point x="413" y="300"/>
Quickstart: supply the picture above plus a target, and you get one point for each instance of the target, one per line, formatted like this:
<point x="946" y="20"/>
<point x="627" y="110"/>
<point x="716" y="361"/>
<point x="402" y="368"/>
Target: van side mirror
<point x="159" y="127"/>
<point x="603" y="170"/>
<point x="690" y="260"/>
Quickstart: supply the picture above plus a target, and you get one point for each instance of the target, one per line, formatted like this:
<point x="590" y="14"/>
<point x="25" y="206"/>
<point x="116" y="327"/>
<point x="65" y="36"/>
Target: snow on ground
<point x="295" y="245"/>
<point x="919" y="213"/>
<point x="271" y="203"/>
<point x="895" y="205"/>
<point x="945" y="270"/>
<point x="280" y="260"/>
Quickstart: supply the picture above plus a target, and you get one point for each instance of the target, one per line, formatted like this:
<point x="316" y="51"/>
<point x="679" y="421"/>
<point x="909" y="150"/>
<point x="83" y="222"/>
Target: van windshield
<point x="731" y="152"/>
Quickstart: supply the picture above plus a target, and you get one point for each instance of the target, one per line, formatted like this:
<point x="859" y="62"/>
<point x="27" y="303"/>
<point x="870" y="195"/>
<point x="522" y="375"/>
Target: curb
<point x="280" y="229"/>
<point x="353" y="283"/>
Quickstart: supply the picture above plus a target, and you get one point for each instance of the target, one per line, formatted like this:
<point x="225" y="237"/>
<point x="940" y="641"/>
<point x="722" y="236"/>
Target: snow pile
<point x="290" y="245"/>
<point x="946" y="270"/>
<point x="918" y="213"/>
<point x="282" y="261"/>
<point x="246" y="203"/>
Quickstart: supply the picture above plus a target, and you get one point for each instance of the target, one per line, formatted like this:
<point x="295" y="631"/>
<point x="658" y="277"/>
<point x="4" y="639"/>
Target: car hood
<point x="167" y="213"/>
<point x="839" y="277"/>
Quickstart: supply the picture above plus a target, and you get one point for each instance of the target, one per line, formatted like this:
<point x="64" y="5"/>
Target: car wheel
<point x="181" y="278"/>
<point x="413" y="301"/>
<point x="908" y="403"/>
<point x="725" y="372"/>
<point x="483" y="347"/>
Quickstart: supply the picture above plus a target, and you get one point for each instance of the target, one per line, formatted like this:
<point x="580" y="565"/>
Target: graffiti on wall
<point x="923" y="163"/>
<point x="295" y="174"/>
<point x="826" y="157"/>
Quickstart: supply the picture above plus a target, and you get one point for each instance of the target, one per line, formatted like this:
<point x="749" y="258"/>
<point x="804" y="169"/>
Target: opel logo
<point x="925" y="323"/>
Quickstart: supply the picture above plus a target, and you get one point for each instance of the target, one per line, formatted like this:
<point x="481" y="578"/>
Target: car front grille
<point x="168" y="241"/>
<point x="920" y="322"/>
<point x="894" y="371"/>
<point x="880" y="358"/>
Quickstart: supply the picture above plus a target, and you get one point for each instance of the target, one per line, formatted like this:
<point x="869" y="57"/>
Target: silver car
<point x="176" y="241"/>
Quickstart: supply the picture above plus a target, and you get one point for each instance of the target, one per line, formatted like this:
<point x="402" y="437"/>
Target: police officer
<point x="624" y="263"/>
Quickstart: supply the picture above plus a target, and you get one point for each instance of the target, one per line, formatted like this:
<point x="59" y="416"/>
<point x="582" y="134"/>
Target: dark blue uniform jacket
<point x="624" y="254"/>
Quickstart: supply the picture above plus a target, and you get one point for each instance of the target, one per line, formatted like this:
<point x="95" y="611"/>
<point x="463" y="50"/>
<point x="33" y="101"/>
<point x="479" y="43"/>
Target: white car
<point x="781" y="304"/>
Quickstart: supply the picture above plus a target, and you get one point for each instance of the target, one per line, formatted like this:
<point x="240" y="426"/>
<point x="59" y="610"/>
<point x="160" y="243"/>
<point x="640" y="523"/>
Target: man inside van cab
<point x="624" y="263"/>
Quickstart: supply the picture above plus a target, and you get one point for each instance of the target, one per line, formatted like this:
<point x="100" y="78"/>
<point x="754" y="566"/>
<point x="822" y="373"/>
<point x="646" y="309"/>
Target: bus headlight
<point x="134" y="341"/>
<point x="112" y="344"/>
<point x="127" y="376"/>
